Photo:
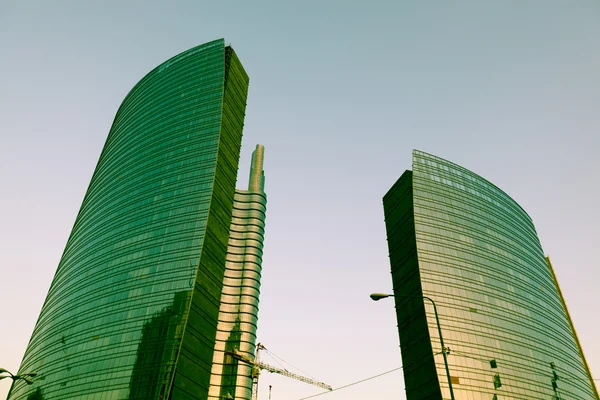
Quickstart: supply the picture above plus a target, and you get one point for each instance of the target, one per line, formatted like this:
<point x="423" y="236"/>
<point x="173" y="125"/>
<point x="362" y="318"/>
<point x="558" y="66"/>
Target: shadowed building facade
<point x="133" y="308"/>
<point x="459" y="240"/>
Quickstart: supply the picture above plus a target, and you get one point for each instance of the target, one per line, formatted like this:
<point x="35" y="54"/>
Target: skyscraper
<point x="238" y="314"/>
<point x="459" y="240"/>
<point x="133" y="308"/>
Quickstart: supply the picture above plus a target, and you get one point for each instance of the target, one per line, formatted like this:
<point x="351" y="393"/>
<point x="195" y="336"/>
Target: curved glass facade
<point x="132" y="310"/>
<point x="458" y="239"/>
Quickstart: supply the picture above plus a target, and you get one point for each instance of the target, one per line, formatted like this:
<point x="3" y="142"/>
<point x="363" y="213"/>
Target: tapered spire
<point x="257" y="174"/>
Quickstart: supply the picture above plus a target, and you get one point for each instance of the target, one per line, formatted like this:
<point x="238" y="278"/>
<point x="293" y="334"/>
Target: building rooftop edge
<point x="460" y="167"/>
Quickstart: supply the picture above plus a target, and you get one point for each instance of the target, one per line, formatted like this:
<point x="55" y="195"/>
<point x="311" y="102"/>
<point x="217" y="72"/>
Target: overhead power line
<point x="352" y="384"/>
<point x="387" y="372"/>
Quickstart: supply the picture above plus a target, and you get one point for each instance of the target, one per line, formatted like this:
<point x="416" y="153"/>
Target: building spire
<point x="257" y="175"/>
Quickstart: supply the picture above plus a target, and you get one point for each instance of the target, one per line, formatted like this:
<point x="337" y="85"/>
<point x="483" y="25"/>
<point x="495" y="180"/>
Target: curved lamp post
<point x="379" y="296"/>
<point x="24" y="377"/>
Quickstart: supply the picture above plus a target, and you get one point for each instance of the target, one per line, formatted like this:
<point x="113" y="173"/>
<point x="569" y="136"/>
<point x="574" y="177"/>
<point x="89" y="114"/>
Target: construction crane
<point x="257" y="365"/>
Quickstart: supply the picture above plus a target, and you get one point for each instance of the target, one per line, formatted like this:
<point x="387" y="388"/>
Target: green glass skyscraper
<point x="133" y="309"/>
<point x="459" y="240"/>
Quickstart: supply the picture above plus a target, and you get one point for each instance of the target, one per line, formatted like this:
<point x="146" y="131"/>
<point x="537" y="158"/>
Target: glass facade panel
<point x="134" y="271"/>
<point x="480" y="260"/>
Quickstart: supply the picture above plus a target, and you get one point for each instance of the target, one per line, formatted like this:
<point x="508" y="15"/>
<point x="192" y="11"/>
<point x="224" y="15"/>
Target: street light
<point x="24" y="377"/>
<point x="379" y="296"/>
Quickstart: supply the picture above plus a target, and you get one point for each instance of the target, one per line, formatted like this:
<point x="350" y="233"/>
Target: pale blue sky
<point x="340" y="94"/>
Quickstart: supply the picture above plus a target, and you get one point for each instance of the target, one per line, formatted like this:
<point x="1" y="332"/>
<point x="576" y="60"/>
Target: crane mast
<point x="257" y="365"/>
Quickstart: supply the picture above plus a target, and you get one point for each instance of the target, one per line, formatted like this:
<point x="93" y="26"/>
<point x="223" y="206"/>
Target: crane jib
<point x="257" y="366"/>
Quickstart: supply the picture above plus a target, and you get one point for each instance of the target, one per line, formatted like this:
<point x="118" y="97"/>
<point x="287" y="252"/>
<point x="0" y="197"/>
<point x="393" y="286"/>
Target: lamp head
<point x="379" y="296"/>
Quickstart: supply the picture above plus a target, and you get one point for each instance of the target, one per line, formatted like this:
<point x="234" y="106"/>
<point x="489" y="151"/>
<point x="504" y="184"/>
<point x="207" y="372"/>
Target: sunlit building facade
<point x="133" y="309"/>
<point x="459" y="240"/>
<point x="238" y="315"/>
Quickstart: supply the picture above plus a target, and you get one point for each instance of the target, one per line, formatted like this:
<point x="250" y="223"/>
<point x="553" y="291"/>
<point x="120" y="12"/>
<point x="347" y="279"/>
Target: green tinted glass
<point x="134" y="278"/>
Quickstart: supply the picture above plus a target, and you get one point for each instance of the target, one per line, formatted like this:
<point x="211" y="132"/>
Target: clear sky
<point x="340" y="94"/>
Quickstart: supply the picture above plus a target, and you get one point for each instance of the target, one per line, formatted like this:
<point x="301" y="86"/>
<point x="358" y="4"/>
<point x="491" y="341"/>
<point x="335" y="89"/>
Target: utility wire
<point x="385" y="373"/>
<point x="352" y="384"/>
